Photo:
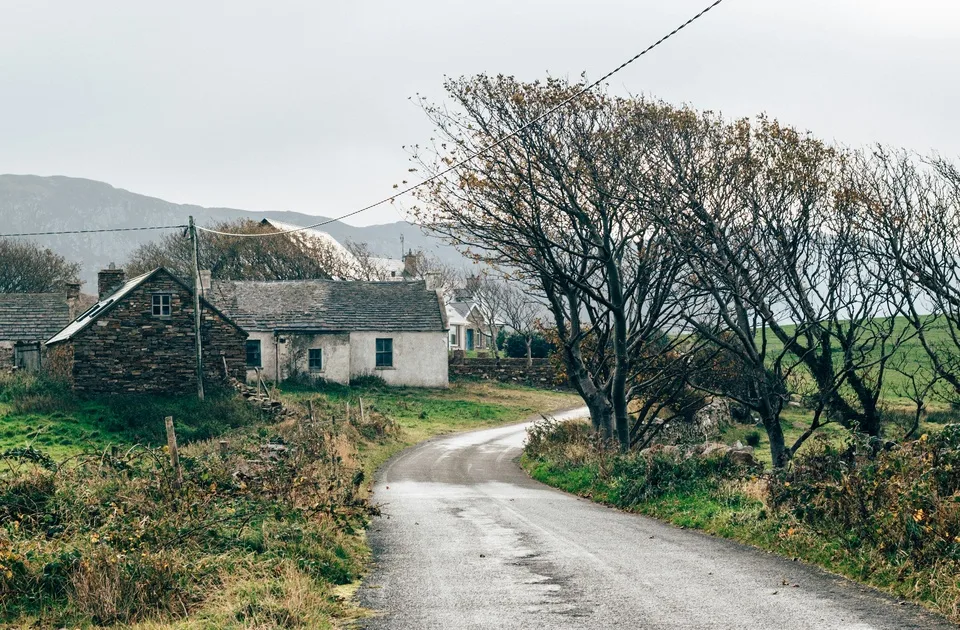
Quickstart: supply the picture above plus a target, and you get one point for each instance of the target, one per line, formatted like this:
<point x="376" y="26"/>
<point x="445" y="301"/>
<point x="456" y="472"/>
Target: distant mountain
<point x="30" y="203"/>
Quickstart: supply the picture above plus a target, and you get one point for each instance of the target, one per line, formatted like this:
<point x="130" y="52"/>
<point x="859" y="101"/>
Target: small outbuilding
<point x="139" y="338"/>
<point x="339" y="330"/>
<point x="29" y="319"/>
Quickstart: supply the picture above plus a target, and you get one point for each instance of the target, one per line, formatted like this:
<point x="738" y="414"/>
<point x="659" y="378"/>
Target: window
<point x="315" y="359"/>
<point x="161" y="305"/>
<point x="384" y="353"/>
<point x="253" y="353"/>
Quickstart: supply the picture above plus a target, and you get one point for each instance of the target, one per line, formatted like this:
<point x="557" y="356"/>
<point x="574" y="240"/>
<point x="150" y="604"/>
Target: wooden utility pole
<point x="195" y="249"/>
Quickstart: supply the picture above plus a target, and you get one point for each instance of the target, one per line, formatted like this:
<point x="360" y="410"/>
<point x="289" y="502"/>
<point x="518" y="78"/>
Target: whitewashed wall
<point x="419" y="358"/>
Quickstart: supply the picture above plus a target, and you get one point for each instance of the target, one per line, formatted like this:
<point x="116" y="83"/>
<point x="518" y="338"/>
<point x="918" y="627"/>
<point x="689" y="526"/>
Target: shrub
<point x="516" y="346"/>
<point x="369" y="381"/>
<point x="901" y="502"/>
<point x="752" y="439"/>
<point x="107" y="539"/>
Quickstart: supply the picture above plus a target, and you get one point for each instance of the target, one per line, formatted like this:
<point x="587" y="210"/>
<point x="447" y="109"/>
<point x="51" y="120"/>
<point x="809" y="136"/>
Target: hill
<point x="31" y="203"/>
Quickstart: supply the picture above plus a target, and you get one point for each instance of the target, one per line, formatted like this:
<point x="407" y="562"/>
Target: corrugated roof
<point x="32" y="316"/>
<point x="329" y="305"/>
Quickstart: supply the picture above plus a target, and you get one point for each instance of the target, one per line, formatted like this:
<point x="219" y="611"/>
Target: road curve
<point x="467" y="540"/>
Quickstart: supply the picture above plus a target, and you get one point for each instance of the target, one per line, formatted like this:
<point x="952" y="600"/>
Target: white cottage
<point x="339" y="330"/>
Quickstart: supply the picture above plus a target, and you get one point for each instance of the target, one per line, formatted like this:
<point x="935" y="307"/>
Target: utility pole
<point x="195" y="249"/>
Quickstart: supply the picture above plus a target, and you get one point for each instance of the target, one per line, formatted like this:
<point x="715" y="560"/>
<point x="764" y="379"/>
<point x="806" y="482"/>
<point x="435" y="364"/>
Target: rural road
<point x="467" y="540"/>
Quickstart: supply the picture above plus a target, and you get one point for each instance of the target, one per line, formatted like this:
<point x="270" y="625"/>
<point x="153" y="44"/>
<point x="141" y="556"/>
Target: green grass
<point x="424" y="413"/>
<point x="911" y="353"/>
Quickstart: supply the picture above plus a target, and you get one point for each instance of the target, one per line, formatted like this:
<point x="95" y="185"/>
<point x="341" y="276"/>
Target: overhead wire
<point x="484" y="149"/>
<point x="97" y="231"/>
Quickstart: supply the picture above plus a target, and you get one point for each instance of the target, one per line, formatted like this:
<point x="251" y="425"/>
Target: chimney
<point x="109" y="280"/>
<point x="73" y="290"/>
<point x="432" y="280"/>
<point x="205" y="280"/>
<point x="410" y="264"/>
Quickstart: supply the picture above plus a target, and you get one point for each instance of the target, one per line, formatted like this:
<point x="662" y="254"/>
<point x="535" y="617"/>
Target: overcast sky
<point x="303" y="106"/>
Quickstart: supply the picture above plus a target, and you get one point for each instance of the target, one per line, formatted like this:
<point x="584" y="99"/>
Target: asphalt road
<point x="467" y="540"/>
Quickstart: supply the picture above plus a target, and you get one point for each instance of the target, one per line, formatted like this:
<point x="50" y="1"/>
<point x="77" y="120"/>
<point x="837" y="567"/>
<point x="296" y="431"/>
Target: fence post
<point x="174" y="453"/>
<point x="363" y="419"/>
<point x="224" y="446"/>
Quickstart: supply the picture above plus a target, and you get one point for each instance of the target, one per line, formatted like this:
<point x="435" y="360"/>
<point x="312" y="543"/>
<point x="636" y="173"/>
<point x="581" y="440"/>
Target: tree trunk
<point x="493" y="341"/>
<point x="778" y="449"/>
<point x="529" y="351"/>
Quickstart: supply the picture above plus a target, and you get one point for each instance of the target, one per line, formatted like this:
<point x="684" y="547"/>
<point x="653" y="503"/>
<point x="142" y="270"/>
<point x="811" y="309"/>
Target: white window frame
<point x="158" y="306"/>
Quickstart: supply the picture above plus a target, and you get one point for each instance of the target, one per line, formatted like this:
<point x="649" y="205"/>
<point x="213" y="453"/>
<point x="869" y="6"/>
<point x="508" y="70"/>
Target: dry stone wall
<point x="507" y="370"/>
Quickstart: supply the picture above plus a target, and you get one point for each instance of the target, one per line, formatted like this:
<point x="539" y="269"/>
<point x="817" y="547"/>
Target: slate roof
<point x="32" y="316"/>
<point x="329" y="305"/>
<point x="109" y="302"/>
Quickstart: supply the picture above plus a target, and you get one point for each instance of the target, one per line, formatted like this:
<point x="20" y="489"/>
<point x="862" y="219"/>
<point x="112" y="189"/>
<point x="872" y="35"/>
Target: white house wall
<point x="293" y="356"/>
<point x="419" y="358"/>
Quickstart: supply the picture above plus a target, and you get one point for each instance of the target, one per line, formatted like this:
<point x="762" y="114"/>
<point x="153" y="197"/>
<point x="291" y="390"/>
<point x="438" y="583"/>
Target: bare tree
<point x="914" y="222"/>
<point x="367" y="266"/>
<point x="489" y="293"/>
<point x="237" y="258"/>
<point x="28" y="268"/>
<point x="553" y="202"/>
<point x="520" y="313"/>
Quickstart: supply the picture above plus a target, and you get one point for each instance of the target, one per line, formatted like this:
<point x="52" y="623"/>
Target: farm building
<point x="139" y="338"/>
<point x="29" y="319"/>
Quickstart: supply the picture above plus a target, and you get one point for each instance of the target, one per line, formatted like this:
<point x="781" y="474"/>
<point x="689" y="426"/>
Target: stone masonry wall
<point x="540" y="374"/>
<point x="129" y="350"/>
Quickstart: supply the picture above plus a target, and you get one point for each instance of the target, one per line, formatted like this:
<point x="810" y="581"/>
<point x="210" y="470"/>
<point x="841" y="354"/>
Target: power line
<point x="493" y="145"/>
<point x="132" y="229"/>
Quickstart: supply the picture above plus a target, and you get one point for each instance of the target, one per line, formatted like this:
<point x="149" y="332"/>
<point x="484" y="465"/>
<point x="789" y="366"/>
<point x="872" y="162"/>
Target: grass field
<point x="105" y="539"/>
<point x="910" y="355"/>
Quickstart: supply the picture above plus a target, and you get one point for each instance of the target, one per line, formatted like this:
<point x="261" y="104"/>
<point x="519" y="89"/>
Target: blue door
<point x="469" y="339"/>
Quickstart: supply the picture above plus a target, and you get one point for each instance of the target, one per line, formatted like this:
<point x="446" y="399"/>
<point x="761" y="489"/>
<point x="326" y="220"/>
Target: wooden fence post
<point x="174" y="453"/>
<point x="363" y="418"/>
<point x="224" y="446"/>
<point x="310" y="410"/>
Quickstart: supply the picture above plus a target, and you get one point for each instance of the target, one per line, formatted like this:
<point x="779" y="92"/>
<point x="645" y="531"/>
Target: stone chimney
<point x="205" y="280"/>
<point x="72" y="290"/>
<point x="410" y="264"/>
<point x="432" y="280"/>
<point x="109" y="280"/>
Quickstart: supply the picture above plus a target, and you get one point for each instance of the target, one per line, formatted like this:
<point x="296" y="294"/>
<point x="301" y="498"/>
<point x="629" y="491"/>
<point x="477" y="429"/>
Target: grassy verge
<point x="890" y="520"/>
<point x="421" y="414"/>
<point x="267" y="534"/>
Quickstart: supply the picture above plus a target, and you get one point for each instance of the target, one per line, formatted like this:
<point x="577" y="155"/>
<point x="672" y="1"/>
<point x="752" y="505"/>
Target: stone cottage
<point x="338" y="330"/>
<point x="29" y="319"/>
<point x="139" y="338"/>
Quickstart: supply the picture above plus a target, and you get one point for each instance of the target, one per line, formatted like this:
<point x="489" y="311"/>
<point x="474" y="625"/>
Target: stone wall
<point x="129" y="350"/>
<point x="540" y="374"/>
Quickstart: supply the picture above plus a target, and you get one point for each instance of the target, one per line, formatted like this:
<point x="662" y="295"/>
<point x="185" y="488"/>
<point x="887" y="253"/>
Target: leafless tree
<point x="238" y="258"/>
<point x="368" y="266"/>
<point x="914" y="222"/>
<point x="552" y="202"/>
<point x="521" y="312"/>
<point x="28" y="268"/>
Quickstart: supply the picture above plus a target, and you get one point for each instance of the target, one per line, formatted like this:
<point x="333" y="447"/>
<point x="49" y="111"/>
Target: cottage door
<point x="26" y="356"/>
<point x="469" y="339"/>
